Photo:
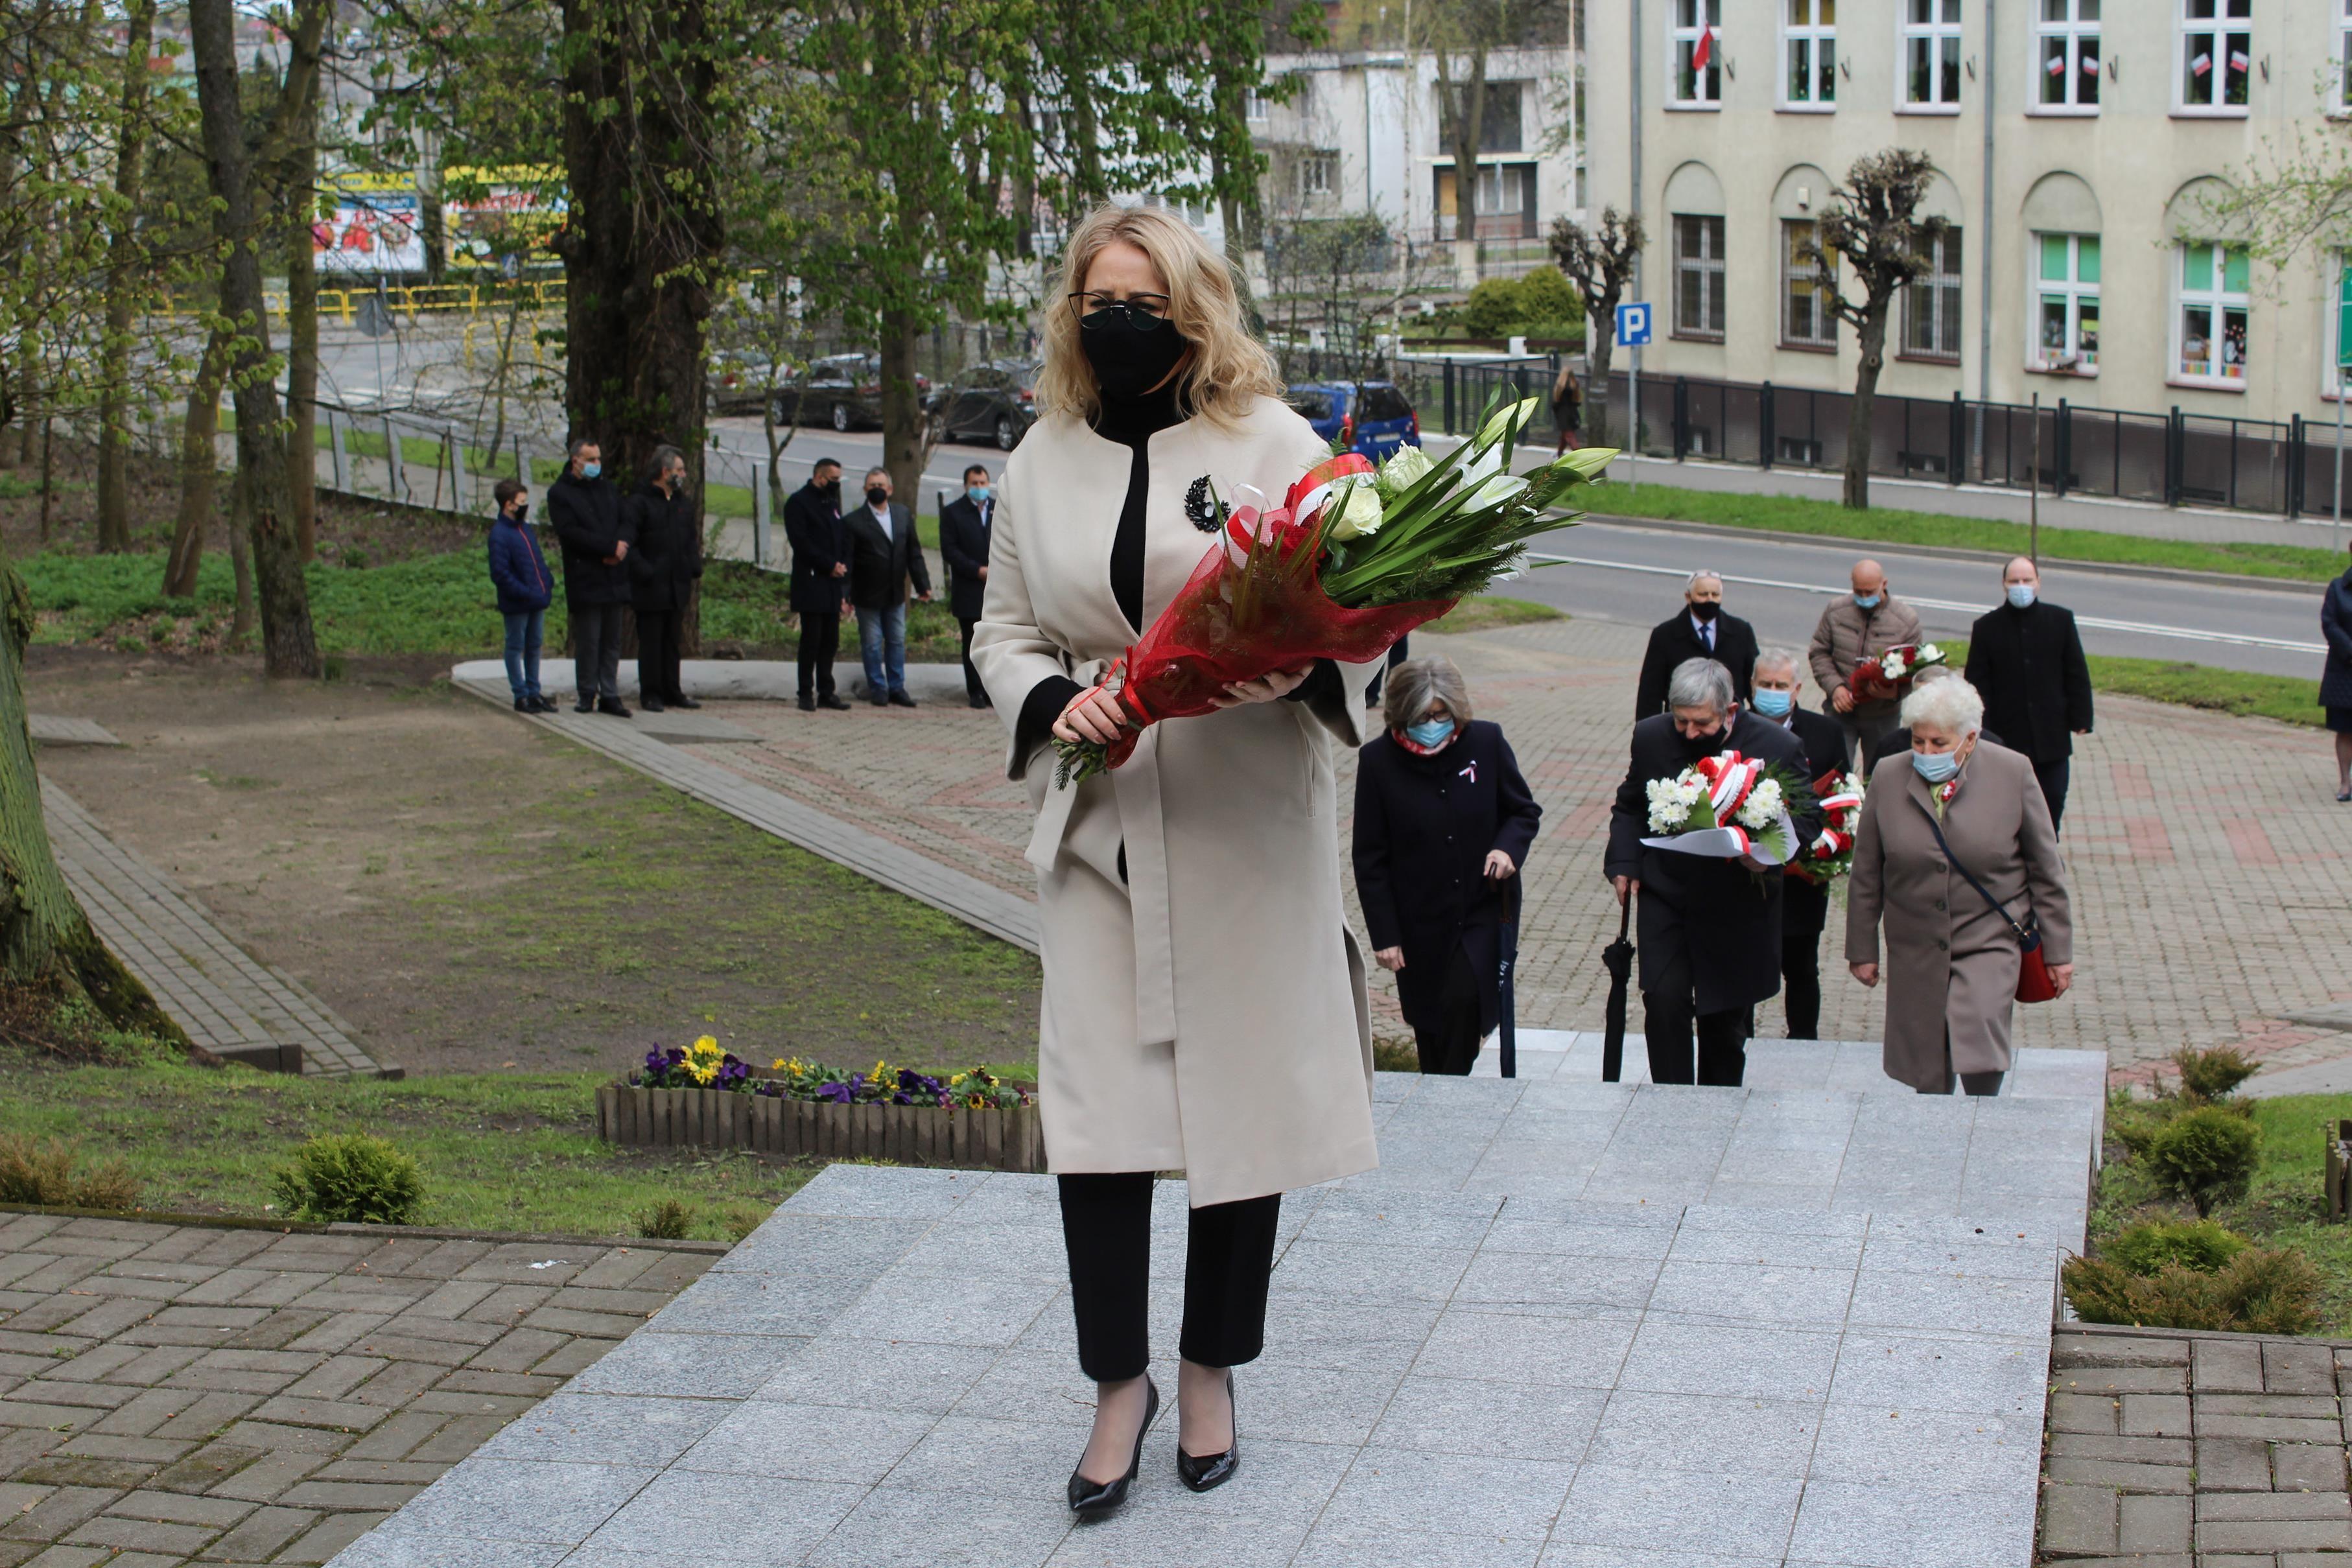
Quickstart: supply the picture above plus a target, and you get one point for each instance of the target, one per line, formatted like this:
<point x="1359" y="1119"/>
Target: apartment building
<point x="2079" y="148"/>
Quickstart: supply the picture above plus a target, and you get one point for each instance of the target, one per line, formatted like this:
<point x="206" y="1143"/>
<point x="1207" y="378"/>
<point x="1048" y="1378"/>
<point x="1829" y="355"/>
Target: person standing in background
<point x="965" y="524"/>
<point x="1856" y="626"/>
<point x="663" y="569"/>
<point x="519" y="572"/>
<point x="1804" y="903"/>
<point x="2025" y="660"/>
<point x="1701" y="631"/>
<point x="884" y="555"/>
<point x="820" y="542"/>
<point x="1567" y="407"/>
<point x="2335" y="680"/>
<point x="591" y="519"/>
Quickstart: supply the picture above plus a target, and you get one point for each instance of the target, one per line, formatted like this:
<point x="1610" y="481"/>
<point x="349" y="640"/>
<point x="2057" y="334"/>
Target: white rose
<point x="1405" y="468"/>
<point x="1929" y="654"/>
<point x="1357" y="513"/>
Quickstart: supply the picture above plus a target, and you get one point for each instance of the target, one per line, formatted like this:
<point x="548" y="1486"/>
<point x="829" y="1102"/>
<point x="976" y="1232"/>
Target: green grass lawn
<point x="499" y="1151"/>
<point x="1490" y="612"/>
<point x="1827" y="519"/>
<point x="2289" y="699"/>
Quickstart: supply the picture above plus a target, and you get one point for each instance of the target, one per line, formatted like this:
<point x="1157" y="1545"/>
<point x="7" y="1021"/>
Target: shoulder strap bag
<point x="2033" y="982"/>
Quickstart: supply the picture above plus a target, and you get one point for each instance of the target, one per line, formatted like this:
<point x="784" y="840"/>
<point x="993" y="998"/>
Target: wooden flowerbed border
<point x="903" y="1134"/>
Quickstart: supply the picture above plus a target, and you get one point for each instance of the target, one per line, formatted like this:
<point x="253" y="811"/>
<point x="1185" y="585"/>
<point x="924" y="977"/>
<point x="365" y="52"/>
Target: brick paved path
<point x="2208" y="860"/>
<point x="2223" y="1451"/>
<point x="187" y="1393"/>
<point x="227" y="1000"/>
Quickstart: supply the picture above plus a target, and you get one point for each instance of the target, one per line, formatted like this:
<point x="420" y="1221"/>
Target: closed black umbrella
<point x="1508" y="949"/>
<point x="1618" y="959"/>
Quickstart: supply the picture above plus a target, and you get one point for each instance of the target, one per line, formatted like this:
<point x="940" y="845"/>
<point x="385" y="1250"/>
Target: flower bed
<point x="700" y="1094"/>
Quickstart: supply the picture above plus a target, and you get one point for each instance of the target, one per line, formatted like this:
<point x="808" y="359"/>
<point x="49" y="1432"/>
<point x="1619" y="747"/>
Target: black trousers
<point x="1228" y="1258"/>
<point x="597" y="649"/>
<point x="1804" y="910"/>
<point x="657" y="656"/>
<point x="1668" y="1019"/>
<point x="819" y="641"/>
<point x="1450" y="1044"/>
<point x="2055" y="775"/>
<point x="971" y="687"/>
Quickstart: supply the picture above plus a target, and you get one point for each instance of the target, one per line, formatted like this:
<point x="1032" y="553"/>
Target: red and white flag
<point x="1704" y="50"/>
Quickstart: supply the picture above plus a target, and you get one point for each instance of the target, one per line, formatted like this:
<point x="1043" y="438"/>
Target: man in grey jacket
<point x="1856" y="626"/>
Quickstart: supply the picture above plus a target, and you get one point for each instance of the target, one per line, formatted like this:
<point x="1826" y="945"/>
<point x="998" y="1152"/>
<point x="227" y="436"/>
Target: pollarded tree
<point x="1599" y="263"/>
<point x="1872" y="224"/>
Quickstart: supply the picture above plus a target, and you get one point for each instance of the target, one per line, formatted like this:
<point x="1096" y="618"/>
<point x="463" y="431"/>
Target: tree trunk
<point x="1873" y="332"/>
<point x="240" y="561"/>
<point x="287" y="644"/>
<point x="46" y="946"/>
<point x="1601" y="338"/>
<point x="903" y="419"/>
<point x="123" y="250"/>
<point x="199" y="471"/>
<point x="300" y="199"/>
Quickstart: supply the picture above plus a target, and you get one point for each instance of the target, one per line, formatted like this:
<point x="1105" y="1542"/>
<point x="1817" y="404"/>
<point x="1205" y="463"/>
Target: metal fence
<point x="2174" y="458"/>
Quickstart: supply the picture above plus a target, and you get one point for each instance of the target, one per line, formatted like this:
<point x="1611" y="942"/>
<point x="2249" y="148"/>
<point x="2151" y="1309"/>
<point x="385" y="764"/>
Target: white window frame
<point x="2343" y="58"/>
<point x="1930" y="291"/>
<point x="2331" y="375"/>
<point x="1256" y="108"/>
<point x="1710" y="273"/>
<point x="2077" y="294"/>
<point x="1942" y="37"/>
<point x="2221" y="37"/>
<point x="2071" y="31"/>
<point x="1317" y="173"/>
<point x="1809" y="38"/>
<point x="1825" y="318"/>
<point x="2215" y="299"/>
<point x="1682" y="38"/>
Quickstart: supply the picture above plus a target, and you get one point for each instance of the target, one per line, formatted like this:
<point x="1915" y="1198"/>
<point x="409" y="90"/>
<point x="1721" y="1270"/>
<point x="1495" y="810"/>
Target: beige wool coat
<point x="1206" y="1012"/>
<point x="1951" y="964"/>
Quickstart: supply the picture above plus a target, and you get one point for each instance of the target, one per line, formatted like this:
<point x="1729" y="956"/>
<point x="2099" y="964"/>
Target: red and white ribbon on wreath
<point x="1729" y="778"/>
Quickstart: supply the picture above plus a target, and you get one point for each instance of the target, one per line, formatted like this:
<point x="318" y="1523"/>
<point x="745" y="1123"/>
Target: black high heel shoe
<point x="1207" y="1475"/>
<point x="1091" y="1500"/>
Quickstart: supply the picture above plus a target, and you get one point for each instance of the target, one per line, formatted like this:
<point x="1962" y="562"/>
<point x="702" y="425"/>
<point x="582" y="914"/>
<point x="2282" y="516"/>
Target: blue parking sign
<point x="1634" y="326"/>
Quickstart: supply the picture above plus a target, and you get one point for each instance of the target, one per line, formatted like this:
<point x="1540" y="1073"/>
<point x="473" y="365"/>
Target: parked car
<point x="843" y="390"/>
<point x="741" y="380"/>
<point x="993" y="401"/>
<point x="1377" y="415"/>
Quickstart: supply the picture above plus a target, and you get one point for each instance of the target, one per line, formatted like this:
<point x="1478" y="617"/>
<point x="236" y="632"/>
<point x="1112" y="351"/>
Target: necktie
<point x="1706" y="635"/>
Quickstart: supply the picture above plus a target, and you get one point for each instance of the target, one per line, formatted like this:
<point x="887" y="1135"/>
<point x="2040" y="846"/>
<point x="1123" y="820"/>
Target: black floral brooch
<point x="1204" y="510"/>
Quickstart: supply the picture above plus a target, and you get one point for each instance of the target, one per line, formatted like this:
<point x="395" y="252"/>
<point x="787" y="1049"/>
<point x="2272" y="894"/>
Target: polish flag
<point x="1704" y="50"/>
<point x="2238" y="62"/>
<point x="2200" y="65"/>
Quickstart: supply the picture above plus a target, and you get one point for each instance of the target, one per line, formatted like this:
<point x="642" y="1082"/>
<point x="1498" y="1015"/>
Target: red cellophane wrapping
<point x="1246" y="612"/>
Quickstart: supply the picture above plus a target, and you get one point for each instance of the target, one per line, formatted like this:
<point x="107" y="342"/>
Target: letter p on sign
<point x="1634" y="326"/>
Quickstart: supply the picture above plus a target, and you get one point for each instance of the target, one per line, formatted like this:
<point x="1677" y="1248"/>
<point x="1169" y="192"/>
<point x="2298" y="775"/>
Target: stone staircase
<point x="1567" y="1324"/>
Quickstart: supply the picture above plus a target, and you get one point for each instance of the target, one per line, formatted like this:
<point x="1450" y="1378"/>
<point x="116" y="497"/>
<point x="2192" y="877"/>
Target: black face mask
<point x="876" y="495"/>
<point x="1129" y="360"/>
<point x="1706" y="745"/>
<point x="1704" y="609"/>
<point x="830" y="487"/>
<point x="521" y="514"/>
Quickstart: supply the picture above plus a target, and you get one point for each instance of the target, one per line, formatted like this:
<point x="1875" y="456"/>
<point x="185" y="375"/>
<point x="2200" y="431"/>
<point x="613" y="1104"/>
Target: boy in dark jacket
<point x="525" y="588"/>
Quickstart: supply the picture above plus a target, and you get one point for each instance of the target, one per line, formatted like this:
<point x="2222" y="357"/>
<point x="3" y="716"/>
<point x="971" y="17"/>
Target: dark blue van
<point x="1376" y="415"/>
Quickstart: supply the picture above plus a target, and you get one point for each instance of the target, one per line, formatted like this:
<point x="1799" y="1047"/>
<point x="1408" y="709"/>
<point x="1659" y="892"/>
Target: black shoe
<point x="539" y="703"/>
<point x="980" y="702"/>
<point x="1092" y="1500"/>
<point x="1207" y="1475"/>
<point x="683" y="702"/>
<point x="585" y="705"/>
<point x="613" y="707"/>
<point x="833" y="701"/>
<point x="654" y="707"/>
<point x="807" y="703"/>
<point x="900" y="699"/>
<point x="522" y="704"/>
<point x="877" y="699"/>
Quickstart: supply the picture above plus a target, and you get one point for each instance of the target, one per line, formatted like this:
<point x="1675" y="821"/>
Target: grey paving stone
<point x="1978" y="1374"/>
<point x="1678" y="1511"/>
<point x="1372" y="1275"/>
<point x="1581" y="1349"/>
<point x="1745" y="1293"/>
<point x="890" y="1529"/>
<point x="1964" y="1303"/>
<point x="1557" y="1281"/>
<point x="395" y="1547"/>
<point x="688" y="1366"/>
<point x="977" y="1248"/>
<point x="717" y="1518"/>
<point x="1674" y="1354"/>
<point x="607" y="1429"/>
<point x="1008" y="1458"/>
<point x="1927" y="1449"/>
<point x="1505" y="1421"/>
<point x="1904" y="1527"/>
<point x="789" y="1242"/>
<point x="808" y="1442"/>
<point x="1770" y="1438"/>
<point x="1570" y="1556"/>
<point x="1148" y="1537"/>
<point x="1584" y="1229"/>
<point x="1300" y="1404"/>
<point x="871" y="1374"/>
<point x="1339" y="1546"/>
<point x="876" y="1192"/>
<point x="904" y="1306"/>
<point x="1450" y="1494"/>
<point x="1361" y="1219"/>
<point x="790" y="1306"/>
<point x="522" y="1500"/>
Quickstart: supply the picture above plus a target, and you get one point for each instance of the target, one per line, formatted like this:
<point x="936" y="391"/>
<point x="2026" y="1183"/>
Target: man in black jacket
<point x="590" y="518"/>
<point x="1804" y="903"/>
<point x="884" y="556"/>
<point x="2025" y="659"/>
<point x="1700" y="632"/>
<point x="664" y="567"/>
<point x="1709" y="930"/>
<point x="965" y="524"/>
<point x="820" y="542"/>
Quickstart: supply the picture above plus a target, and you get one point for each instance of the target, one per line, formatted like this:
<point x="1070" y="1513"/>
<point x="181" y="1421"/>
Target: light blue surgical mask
<point x="2021" y="594"/>
<point x="1432" y="733"/>
<point x="1772" y="704"/>
<point x="590" y="470"/>
<point x="1935" y="767"/>
<point x="979" y="494"/>
<point x="1867" y="600"/>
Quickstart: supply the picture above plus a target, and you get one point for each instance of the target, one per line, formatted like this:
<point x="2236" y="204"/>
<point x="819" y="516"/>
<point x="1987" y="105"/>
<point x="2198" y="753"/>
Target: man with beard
<point x="1701" y="631"/>
<point x="1709" y="930"/>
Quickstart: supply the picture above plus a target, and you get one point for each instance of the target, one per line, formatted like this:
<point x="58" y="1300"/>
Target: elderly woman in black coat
<point x="1443" y="821"/>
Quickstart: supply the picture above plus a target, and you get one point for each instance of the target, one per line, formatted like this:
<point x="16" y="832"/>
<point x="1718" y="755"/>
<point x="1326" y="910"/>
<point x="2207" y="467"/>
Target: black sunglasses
<point x="1146" y="311"/>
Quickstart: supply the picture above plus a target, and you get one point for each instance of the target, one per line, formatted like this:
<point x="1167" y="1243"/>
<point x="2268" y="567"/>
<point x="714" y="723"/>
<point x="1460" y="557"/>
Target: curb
<point x="345" y="1228"/>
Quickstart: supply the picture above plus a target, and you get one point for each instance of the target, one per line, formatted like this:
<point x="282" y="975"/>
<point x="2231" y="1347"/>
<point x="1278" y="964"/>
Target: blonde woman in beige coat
<point x="1952" y="962"/>
<point x="1204" y="1006"/>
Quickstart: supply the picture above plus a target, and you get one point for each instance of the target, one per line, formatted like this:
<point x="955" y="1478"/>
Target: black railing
<point x="2174" y="458"/>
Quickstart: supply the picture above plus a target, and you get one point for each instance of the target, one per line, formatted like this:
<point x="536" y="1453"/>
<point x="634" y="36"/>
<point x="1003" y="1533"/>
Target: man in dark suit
<point x="1709" y="935"/>
<point x="1702" y="630"/>
<point x="884" y="555"/>
<point x="593" y="522"/>
<point x="820" y="542"/>
<point x="965" y="524"/>
<point x="1804" y="904"/>
<point x="2025" y="659"/>
<point x="663" y="570"/>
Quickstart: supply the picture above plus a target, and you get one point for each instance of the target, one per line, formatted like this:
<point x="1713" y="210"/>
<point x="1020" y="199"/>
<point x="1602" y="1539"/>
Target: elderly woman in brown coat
<point x="1952" y="960"/>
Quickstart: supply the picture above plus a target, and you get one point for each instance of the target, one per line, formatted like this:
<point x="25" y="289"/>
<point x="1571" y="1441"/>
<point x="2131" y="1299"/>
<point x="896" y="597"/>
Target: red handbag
<point x="2033" y="981"/>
